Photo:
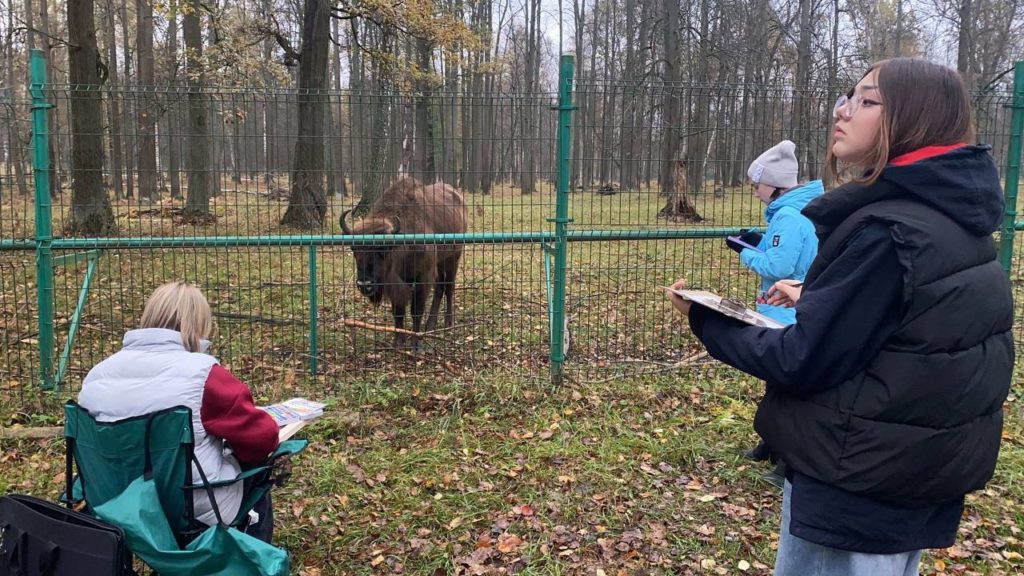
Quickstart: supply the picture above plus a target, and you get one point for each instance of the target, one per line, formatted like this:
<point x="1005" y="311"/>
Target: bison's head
<point x="373" y="263"/>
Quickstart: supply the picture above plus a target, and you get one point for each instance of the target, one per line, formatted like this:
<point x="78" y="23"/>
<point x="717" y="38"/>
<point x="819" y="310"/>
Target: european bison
<point x="407" y="272"/>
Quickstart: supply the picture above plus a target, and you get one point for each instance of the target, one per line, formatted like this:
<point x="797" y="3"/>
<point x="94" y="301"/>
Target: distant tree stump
<point x="678" y="208"/>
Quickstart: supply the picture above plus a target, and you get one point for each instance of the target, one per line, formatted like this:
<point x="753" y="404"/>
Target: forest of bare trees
<point x="314" y="98"/>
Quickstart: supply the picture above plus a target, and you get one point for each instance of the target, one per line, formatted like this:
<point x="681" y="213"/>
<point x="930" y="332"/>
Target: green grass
<point x="631" y="475"/>
<point x="464" y="458"/>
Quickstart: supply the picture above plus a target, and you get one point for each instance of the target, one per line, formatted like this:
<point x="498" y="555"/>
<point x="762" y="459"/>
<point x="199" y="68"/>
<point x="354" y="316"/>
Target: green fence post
<point x="312" y="312"/>
<point x="561" y="220"/>
<point x="44" y="225"/>
<point x="1012" y="169"/>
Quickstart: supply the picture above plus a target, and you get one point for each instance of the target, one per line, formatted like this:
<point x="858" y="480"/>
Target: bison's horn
<point x="395" y="223"/>
<point x="344" y="227"/>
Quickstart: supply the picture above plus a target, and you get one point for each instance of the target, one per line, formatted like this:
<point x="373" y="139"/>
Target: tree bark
<point x="579" y="21"/>
<point x="55" y="164"/>
<point x="673" y="170"/>
<point x="197" y="201"/>
<point x="426" y="168"/>
<point x="627" y="122"/>
<point x="127" y="140"/>
<point x="91" y="213"/>
<point x="15" y="146"/>
<point x="965" y="44"/>
<point x="335" y="152"/>
<point x="174" y="115"/>
<point x="804" y="132"/>
<point x="147" y="106"/>
<point x="306" y="203"/>
<point x="373" y="179"/>
<point x="113" y="101"/>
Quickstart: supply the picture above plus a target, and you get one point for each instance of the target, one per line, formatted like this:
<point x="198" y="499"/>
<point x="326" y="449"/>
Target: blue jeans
<point x="798" y="557"/>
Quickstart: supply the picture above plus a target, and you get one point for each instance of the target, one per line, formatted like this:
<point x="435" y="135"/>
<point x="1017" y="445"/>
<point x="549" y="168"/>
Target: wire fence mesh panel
<point x="263" y="277"/>
<point x="260" y="299"/>
<point x="238" y="192"/>
<point x="18" y="305"/>
<point x="252" y="165"/>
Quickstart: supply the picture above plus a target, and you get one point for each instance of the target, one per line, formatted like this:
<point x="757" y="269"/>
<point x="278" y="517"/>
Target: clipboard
<point x="729" y="307"/>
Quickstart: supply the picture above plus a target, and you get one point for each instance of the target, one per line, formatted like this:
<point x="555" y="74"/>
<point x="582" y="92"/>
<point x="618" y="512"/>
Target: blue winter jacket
<point x="788" y="246"/>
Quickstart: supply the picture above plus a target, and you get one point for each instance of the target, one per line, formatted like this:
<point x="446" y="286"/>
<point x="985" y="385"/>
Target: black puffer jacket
<point x="921" y="422"/>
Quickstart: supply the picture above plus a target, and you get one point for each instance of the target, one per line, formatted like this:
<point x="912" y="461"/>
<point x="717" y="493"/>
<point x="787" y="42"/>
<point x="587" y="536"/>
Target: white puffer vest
<point x="154" y="372"/>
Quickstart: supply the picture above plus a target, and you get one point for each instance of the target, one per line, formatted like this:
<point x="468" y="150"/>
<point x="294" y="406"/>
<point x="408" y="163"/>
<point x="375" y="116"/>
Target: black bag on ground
<point x="40" y="538"/>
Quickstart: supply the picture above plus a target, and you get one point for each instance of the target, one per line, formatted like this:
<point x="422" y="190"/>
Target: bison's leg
<point x="398" y="310"/>
<point x="435" y="303"/>
<point x="419" y="304"/>
<point x="449" y="290"/>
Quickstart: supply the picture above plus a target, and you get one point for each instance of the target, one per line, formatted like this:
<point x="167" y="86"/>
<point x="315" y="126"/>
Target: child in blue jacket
<point x="787" y="248"/>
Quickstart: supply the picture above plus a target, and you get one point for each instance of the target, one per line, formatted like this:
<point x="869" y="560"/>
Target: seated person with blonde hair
<point x="164" y="364"/>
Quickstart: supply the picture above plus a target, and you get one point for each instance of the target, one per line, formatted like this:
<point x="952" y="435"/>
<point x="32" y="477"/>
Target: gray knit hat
<point x="776" y="167"/>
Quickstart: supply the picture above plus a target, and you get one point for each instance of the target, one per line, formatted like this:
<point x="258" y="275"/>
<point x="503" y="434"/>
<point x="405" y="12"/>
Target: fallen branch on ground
<point x="262" y="319"/>
<point x="23" y="433"/>
<point x="379" y="328"/>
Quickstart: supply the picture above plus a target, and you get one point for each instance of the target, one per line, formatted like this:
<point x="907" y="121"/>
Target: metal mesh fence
<point x="279" y="307"/>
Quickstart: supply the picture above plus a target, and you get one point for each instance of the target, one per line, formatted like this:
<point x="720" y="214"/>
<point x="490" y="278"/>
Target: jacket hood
<point x="796" y="198"/>
<point x="963" y="184"/>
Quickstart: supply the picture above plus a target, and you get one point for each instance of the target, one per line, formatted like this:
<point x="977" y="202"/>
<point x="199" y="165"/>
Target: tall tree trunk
<point x="965" y="45"/>
<point x="805" y="130"/>
<point x="607" y="100"/>
<point x="91" y="213"/>
<point x="335" y="157"/>
<point x="426" y="169"/>
<point x="114" y="97"/>
<point x="373" y="181"/>
<point x="15" y="147"/>
<point x="641" y="114"/>
<point x="579" y="21"/>
<point x="472" y="106"/>
<point x="330" y="156"/>
<point x="627" y="120"/>
<point x="306" y="203"/>
<point x="127" y="138"/>
<point x="484" y="135"/>
<point x="530" y="125"/>
<point x="673" y="170"/>
<point x="197" y="201"/>
<point x="146" y="110"/>
<point x="269" y="110"/>
<point x="216" y="134"/>
<point x="357" y="108"/>
<point x="590" y="106"/>
<point x="44" y="29"/>
<point x="174" y="114"/>
<point x="697" y="141"/>
<point x="237" y="116"/>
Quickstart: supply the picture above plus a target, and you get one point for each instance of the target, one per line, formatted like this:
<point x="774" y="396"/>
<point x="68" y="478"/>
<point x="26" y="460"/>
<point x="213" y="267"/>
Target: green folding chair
<point x="137" y="473"/>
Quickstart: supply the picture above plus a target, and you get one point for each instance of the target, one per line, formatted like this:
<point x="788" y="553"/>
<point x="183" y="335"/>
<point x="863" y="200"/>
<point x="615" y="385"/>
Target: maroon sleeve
<point x="228" y="412"/>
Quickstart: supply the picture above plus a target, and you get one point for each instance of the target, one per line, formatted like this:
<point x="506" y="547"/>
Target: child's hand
<point x="679" y="302"/>
<point x="785" y="293"/>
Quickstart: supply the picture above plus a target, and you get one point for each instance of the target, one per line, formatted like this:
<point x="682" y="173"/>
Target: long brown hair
<point x="924" y="104"/>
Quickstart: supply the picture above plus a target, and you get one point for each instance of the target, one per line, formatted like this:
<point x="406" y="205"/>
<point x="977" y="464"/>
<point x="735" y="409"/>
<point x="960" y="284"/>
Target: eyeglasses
<point x="852" y="104"/>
